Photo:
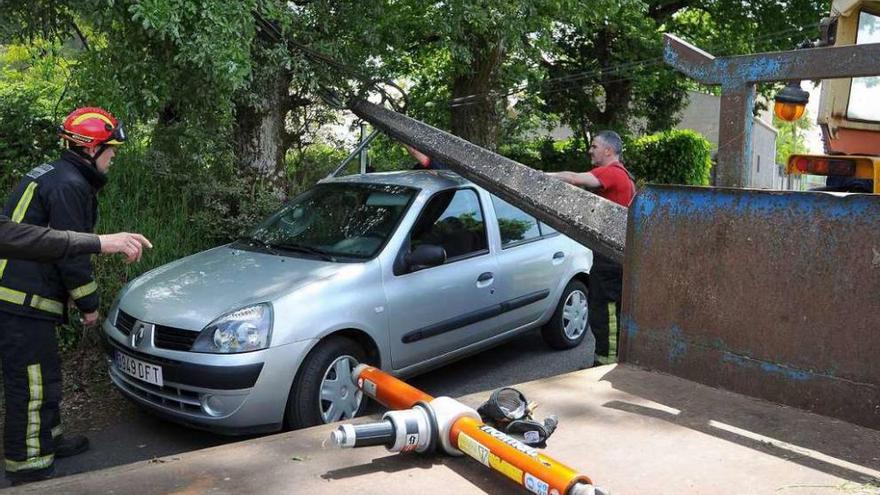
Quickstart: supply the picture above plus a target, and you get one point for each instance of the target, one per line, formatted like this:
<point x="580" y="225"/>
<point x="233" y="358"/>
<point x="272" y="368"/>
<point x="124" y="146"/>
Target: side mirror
<point x="426" y="255"/>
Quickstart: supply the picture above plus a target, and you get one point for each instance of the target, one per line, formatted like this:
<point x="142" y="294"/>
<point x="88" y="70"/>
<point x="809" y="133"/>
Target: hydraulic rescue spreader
<point x="420" y="422"/>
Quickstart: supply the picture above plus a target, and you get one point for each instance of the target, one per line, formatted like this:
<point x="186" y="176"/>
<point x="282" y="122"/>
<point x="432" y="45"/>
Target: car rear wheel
<point x="323" y="391"/>
<point x="568" y="326"/>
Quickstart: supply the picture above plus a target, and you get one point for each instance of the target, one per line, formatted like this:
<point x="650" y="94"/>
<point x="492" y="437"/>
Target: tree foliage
<point x="466" y="58"/>
<point x="792" y="137"/>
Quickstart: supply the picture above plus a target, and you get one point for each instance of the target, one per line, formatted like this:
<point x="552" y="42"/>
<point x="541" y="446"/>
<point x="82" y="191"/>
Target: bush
<point x="316" y="162"/>
<point x="670" y="157"/>
<point x="27" y="133"/>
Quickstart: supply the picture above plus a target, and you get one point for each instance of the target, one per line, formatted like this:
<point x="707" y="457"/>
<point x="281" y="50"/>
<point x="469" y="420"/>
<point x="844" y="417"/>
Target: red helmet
<point x="92" y="126"/>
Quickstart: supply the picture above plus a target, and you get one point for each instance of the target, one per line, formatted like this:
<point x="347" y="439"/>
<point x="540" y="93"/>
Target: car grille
<point x="176" y="339"/>
<point x="168" y="396"/>
<point x="124" y="322"/>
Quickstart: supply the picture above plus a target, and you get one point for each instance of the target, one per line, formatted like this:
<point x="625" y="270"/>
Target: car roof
<point x="426" y="180"/>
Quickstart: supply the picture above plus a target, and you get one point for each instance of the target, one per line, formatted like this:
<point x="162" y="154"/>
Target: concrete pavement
<point x="631" y="430"/>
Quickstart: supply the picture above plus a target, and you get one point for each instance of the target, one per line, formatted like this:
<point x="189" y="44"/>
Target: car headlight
<point x="243" y="330"/>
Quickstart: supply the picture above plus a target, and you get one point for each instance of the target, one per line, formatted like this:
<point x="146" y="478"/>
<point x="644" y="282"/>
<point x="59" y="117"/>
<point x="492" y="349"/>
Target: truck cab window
<point x="864" y="93"/>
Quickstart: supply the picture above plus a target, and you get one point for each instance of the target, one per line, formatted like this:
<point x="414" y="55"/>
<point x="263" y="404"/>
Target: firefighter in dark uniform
<point x="34" y="296"/>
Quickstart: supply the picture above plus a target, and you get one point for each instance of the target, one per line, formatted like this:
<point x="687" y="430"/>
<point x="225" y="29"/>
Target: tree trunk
<point x="260" y="136"/>
<point x="476" y="109"/>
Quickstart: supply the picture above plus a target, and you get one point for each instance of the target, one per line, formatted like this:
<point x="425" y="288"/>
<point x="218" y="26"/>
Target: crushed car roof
<point x="429" y="180"/>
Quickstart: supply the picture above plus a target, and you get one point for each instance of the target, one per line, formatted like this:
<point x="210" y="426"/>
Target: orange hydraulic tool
<point x="421" y="422"/>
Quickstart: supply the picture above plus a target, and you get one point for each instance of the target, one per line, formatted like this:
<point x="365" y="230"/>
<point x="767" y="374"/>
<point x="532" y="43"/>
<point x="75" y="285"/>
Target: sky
<point x="814" y="136"/>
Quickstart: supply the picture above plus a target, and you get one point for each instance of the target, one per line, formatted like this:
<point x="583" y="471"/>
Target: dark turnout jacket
<point x="22" y="241"/>
<point x="60" y="195"/>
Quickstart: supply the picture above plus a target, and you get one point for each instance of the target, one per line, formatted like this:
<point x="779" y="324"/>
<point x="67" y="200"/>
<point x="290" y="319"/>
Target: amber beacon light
<point x="791" y="103"/>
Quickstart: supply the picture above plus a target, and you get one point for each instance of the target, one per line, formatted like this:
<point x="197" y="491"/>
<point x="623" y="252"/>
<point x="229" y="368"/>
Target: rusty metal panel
<point x="770" y="294"/>
<point x="793" y="65"/>
<point x="585" y="217"/>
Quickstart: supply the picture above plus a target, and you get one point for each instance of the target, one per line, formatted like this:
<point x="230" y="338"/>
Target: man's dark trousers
<point x="32" y="386"/>
<point x="606" y="279"/>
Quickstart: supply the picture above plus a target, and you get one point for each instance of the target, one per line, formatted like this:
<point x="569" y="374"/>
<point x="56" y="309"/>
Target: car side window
<point x="546" y="229"/>
<point x="453" y="220"/>
<point x="515" y="225"/>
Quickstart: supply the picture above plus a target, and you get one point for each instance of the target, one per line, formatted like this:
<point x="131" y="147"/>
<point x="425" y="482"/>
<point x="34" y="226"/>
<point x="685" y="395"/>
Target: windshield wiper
<point x="302" y="248"/>
<point x="253" y="241"/>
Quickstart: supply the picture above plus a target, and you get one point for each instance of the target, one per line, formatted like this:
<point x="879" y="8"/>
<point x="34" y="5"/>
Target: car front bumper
<point x="230" y="394"/>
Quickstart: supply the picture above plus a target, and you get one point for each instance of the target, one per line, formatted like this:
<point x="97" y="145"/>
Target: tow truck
<point x="849" y="108"/>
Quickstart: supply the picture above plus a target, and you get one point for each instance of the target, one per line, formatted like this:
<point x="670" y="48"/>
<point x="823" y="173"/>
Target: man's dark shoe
<point x="31" y="476"/>
<point x="70" y="445"/>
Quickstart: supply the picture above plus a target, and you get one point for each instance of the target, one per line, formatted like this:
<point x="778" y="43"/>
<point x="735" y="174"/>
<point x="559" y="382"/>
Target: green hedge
<point x="670" y="157"/>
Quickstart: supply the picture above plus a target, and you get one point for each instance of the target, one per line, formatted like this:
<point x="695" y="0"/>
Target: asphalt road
<point x="140" y="437"/>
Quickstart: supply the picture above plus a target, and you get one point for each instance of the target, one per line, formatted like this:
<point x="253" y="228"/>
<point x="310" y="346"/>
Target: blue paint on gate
<point x="768" y="367"/>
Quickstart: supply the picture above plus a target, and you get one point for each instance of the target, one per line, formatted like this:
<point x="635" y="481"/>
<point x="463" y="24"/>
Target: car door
<point x="531" y="263"/>
<point x="438" y="309"/>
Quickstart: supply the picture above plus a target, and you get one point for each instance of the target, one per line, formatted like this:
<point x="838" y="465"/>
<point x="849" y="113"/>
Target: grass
<point x="136" y="199"/>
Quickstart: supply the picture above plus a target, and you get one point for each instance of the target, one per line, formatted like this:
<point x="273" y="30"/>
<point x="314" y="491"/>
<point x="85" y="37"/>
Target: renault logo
<point x="137" y="333"/>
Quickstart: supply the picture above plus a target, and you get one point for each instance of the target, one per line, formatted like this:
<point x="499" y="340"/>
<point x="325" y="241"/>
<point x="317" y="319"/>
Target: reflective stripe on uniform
<point x="41" y="462"/>
<point x="23" y="203"/>
<point x="11" y="295"/>
<point x="18" y="214"/>
<point x="83" y="291"/>
<point x="47" y="305"/>
<point x="613" y="330"/>
<point x="38" y="302"/>
<point x="35" y="403"/>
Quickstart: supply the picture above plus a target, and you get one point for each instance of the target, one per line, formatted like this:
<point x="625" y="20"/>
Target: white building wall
<point x="702" y="113"/>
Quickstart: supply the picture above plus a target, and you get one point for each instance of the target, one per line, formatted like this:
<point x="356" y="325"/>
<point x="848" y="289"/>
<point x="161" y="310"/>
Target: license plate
<point x="141" y="370"/>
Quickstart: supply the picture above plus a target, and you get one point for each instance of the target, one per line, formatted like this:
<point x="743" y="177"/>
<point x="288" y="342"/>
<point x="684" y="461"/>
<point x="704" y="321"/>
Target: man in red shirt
<point x="613" y="182"/>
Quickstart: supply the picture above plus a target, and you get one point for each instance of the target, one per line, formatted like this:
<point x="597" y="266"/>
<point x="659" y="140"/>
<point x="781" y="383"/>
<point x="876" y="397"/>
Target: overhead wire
<point x="596" y="75"/>
<point x="326" y="93"/>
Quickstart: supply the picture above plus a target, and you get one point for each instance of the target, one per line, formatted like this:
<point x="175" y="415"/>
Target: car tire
<point x="569" y="324"/>
<point x="320" y="371"/>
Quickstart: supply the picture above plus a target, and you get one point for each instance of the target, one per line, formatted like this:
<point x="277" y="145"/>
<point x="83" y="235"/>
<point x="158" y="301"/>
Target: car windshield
<point x="336" y="220"/>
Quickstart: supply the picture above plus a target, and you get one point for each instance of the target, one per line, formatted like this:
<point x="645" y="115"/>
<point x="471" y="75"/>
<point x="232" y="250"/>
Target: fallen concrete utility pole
<point x="585" y="217"/>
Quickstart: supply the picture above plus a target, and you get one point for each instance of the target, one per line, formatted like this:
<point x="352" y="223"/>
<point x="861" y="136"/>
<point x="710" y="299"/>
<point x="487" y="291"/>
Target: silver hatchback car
<point x="402" y="270"/>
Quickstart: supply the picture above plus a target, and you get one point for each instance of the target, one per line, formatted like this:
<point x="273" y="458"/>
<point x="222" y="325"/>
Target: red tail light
<point x="822" y="165"/>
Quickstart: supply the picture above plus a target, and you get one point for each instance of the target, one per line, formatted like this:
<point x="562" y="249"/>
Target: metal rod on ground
<point x="585" y="217"/>
<point x="422" y="423"/>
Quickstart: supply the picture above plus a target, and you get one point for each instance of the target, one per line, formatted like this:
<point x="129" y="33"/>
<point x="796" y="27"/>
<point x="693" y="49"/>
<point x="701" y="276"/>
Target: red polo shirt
<point x="616" y="184"/>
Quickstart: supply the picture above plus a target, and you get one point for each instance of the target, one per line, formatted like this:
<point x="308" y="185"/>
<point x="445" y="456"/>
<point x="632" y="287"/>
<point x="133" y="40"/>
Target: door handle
<point x="558" y="255"/>
<point x="485" y="277"/>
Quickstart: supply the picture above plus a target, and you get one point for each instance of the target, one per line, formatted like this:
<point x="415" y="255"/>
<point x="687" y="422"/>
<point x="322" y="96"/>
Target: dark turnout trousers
<point x="606" y="279"/>
<point x="32" y="386"/>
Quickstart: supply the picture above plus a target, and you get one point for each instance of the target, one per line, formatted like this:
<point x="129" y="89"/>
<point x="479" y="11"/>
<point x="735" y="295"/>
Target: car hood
<point x="191" y="292"/>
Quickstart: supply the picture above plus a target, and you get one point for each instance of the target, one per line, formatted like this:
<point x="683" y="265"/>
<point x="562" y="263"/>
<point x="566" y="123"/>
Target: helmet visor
<point x="118" y="136"/>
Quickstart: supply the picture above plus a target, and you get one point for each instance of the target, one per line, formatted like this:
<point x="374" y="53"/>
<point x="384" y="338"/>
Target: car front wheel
<point x="568" y="326"/>
<point x="323" y="391"/>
